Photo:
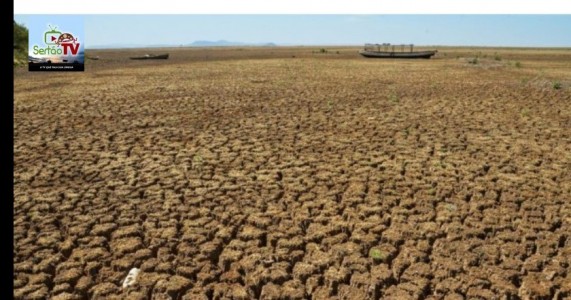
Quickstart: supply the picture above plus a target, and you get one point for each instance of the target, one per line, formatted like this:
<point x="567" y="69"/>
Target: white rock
<point x="131" y="278"/>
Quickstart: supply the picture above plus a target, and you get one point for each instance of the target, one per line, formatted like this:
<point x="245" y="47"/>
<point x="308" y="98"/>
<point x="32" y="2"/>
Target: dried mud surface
<point x="299" y="176"/>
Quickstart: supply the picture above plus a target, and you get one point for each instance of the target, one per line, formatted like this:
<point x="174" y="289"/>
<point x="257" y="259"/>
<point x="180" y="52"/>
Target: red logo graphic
<point x="68" y="42"/>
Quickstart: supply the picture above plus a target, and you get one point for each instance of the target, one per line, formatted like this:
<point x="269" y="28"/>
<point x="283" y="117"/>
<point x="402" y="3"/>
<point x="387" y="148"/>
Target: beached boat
<point x="389" y="51"/>
<point x="151" y="56"/>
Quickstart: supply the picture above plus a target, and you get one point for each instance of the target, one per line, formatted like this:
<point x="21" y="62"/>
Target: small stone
<point x="131" y="278"/>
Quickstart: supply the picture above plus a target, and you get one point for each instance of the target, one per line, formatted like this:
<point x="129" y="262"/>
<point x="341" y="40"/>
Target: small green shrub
<point x="497" y="57"/>
<point x="197" y="162"/>
<point x="322" y="50"/>
<point x="393" y="98"/>
<point x="20" y="45"/>
<point x="329" y="105"/>
<point x="557" y="85"/>
<point x="450" y="207"/>
<point x="377" y="254"/>
<point x="406" y="131"/>
<point x="473" y="61"/>
<point x="517" y="64"/>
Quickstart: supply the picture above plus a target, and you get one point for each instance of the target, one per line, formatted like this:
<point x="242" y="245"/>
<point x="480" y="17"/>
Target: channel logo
<point x="57" y="50"/>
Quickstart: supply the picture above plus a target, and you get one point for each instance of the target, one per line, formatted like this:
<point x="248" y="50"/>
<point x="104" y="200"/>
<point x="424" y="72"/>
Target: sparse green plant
<point x="322" y="50"/>
<point x="393" y="97"/>
<point x="330" y="105"/>
<point x="377" y="254"/>
<point x="337" y="52"/>
<point x="497" y="57"/>
<point x="525" y="112"/>
<point x="473" y="61"/>
<point x="450" y="207"/>
<point x="34" y="215"/>
<point x="517" y="64"/>
<point x="406" y="132"/>
<point x="557" y="85"/>
<point x="197" y="162"/>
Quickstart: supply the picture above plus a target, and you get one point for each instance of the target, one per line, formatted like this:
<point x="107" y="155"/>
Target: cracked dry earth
<point x="314" y="177"/>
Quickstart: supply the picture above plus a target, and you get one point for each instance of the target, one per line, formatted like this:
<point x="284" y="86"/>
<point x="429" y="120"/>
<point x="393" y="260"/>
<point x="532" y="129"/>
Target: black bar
<point x="55" y="67"/>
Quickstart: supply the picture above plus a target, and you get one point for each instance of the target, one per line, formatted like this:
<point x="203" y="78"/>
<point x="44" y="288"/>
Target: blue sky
<point x="476" y="30"/>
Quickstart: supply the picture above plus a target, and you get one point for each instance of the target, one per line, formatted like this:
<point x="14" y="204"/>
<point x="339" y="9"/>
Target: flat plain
<point x="295" y="173"/>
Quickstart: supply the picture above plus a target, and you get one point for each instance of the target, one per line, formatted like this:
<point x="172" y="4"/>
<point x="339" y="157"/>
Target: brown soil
<point x="280" y="173"/>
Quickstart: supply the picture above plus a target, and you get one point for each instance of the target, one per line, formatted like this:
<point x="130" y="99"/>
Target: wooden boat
<point x="151" y="56"/>
<point x="388" y="51"/>
<point x="416" y="54"/>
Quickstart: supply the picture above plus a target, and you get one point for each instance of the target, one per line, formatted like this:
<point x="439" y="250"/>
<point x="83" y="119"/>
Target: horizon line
<point x="264" y="45"/>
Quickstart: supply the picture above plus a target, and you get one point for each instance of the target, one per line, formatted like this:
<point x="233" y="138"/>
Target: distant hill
<point x="115" y="46"/>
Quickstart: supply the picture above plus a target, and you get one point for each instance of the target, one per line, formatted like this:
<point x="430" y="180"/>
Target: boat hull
<point x="162" y="56"/>
<point x="416" y="54"/>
